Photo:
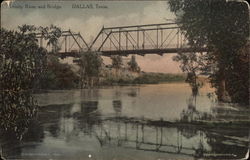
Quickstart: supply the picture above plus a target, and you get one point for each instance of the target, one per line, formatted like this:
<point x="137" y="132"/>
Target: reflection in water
<point x="218" y="139"/>
<point x="75" y="130"/>
<point x="133" y="92"/>
<point x="12" y="147"/>
<point x="192" y="114"/>
<point x="117" y="105"/>
<point x="76" y="121"/>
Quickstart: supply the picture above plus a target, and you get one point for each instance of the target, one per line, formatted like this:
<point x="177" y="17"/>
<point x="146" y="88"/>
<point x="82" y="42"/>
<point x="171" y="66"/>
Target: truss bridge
<point x="124" y="40"/>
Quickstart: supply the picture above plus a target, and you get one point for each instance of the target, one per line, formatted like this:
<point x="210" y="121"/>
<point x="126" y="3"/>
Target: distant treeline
<point x="144" y="78"/>
<point x="153" y="78"/>
<point x="61" y="76"/>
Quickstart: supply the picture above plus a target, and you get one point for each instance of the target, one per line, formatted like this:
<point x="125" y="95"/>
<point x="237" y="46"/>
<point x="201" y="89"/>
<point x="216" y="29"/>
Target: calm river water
<point x="122" y="123"/>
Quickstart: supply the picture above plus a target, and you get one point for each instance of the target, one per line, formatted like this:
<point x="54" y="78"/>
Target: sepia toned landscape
<point x="120" y="80"/>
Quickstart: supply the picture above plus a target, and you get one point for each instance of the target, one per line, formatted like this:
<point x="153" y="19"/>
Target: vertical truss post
<point x="157" y="33"/>
<point x="177" y="38"/>
<point x="110" y="44"/>
<point x="138" y="37"/>
<point x="65" y="43"/>
<point x="126" y="40"/>
<point x="69" y="44"/>
<point x="119" y="41"/>
<point x="143" y="39"/>
<point x="161" y="37"/>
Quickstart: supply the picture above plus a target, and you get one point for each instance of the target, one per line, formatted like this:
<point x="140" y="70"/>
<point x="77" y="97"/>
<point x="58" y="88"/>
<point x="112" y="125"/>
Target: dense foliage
<point x="154" y="78"/>
<point x="58" y="75"/>
<point x="22" y="63"/>
<point x="90" y="67"/>
<point x="116" y="61"/>
<point x="191" y="63"/>
<point x="222" y="26"/>
<point x="133" y="66"/>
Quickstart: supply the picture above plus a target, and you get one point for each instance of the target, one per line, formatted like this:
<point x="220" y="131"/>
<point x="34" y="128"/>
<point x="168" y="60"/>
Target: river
<point x="125" y="122"/>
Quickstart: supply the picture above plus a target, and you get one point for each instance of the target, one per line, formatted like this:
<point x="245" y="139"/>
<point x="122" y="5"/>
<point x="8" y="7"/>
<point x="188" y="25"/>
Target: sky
<point x="89" y="21"/>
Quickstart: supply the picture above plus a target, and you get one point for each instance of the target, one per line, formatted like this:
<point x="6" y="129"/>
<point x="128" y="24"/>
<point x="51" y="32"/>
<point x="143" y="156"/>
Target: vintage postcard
<point x="124" y="80"/>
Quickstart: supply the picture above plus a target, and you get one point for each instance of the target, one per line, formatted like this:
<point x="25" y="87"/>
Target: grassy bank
<point x="154" y="78"/>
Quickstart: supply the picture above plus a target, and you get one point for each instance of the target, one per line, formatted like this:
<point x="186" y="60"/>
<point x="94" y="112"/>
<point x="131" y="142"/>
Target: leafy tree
<point x="133" y="66"/>
<point x="58" y="75"/>
<point x="22" y="63"/>
<point x="222" y="26"/>
<point x="90" y="66"/>
<point x="191" y="63"/>
<point x="238" y="83"/>
<point x="116" y="61"/>
<point x="51" y="34"/>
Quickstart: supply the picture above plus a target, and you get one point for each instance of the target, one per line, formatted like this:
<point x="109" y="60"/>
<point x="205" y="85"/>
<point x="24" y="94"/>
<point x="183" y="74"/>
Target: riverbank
<point x="64" y="76"/>
<point x="141" y="78"/>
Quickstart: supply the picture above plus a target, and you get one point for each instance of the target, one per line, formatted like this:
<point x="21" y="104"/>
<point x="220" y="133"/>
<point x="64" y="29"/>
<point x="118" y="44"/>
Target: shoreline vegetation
<point x="133" y="78"/>
<point x="65" y="76"/>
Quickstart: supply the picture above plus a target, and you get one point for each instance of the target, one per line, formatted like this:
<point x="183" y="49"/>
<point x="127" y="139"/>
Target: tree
<point x="116" y="61"/>
<point x="58" y="75"/>
<point x="222" y="26"/>
<point x="51" y="34"/>
<point x="191" y="63"/>
<point x="90" y="67"/>
<point x="133" y="66"/>
<point x="22" y="62"/>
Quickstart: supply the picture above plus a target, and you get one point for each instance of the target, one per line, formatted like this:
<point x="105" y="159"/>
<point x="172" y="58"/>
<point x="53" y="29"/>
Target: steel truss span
<point x="137" y="39"/>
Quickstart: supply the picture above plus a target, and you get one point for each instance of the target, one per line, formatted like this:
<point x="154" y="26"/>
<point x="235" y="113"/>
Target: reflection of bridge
<point x="128" y="132"/>
<point x="138" y="39"/>
<point x="84" y="121"/>
<point x="141" y="136"/>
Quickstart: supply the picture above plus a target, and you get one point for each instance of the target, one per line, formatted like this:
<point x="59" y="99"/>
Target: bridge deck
<point x="139" y="52"/>
<point x="152" y="51"/>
